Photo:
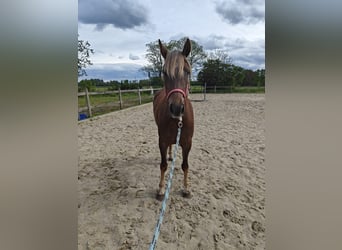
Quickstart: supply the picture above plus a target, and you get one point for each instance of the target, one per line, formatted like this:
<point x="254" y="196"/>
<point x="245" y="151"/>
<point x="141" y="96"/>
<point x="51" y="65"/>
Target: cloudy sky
<point x="119" y="30"/>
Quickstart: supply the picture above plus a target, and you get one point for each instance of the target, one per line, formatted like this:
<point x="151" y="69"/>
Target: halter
<point x="184" y="93"/>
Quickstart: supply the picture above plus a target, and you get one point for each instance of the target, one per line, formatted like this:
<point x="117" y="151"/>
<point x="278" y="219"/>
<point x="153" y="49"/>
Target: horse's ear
<point x="187" y="47"/>
<point x="163" y="49"/>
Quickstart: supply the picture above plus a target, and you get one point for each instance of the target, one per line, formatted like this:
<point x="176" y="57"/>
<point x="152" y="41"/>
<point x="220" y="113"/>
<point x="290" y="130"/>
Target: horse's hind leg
<point x="185" y="168"/>
<point x="170" y="153"/>
<point x="163" y="167"/>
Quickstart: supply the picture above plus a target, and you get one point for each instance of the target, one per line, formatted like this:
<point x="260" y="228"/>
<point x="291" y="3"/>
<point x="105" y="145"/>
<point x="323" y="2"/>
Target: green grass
<point x="249" y="90"/>
<point x="99" y="89"/>
<point x="196" y="89"/>
<point x="102" y="104"/>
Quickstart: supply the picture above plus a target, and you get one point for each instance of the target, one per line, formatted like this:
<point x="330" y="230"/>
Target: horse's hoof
<point x="160" y="197"/>
<point x="186" y="194"/>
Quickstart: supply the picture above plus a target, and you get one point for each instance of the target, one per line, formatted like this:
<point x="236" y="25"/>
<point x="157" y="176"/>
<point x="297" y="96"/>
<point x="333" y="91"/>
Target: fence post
<point x="88" y="103"/>
<point x="139" y="94"/>
<point x="151" y="90"/>
<point x="205" y="90"/>
<point x="120" y="98"/>
<point x="215" y="88"/>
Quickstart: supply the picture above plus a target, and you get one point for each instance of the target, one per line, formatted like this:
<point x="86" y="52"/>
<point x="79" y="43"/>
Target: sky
<point x="119" y="30"/>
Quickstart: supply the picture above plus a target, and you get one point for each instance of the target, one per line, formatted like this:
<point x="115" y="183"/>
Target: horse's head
<point x="176" y="75"/>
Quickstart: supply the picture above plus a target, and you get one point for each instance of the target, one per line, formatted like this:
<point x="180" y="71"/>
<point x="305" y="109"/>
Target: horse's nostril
<point x="176" y="110"/>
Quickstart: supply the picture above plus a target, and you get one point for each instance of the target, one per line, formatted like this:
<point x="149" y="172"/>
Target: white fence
<point x="118" y="99"/>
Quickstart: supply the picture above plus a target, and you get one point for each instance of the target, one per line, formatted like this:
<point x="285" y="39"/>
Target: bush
<point x="82" y="85"/>
<point x="156" y="82"/>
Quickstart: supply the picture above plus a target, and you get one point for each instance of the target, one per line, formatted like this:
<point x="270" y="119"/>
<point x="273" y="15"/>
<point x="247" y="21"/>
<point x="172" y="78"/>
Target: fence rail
<point x="118" y="100"/>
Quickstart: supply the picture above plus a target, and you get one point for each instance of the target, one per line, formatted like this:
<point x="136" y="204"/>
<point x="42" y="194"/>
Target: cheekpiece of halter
<point x="185" y="94"/>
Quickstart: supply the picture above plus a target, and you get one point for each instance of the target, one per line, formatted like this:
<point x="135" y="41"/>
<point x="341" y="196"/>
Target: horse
<point x="171" y="105"/>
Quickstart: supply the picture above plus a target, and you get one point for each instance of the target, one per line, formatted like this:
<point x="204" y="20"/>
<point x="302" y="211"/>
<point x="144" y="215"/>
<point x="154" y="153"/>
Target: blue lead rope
<point x="162" y="210"/>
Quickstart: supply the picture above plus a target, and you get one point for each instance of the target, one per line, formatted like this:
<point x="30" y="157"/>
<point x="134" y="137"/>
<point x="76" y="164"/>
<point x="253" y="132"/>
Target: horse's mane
<point x="175" y="64"/>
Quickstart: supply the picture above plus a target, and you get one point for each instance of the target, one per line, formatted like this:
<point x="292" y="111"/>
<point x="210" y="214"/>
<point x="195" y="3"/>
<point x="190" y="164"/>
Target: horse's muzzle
<point x="177" y="110"/>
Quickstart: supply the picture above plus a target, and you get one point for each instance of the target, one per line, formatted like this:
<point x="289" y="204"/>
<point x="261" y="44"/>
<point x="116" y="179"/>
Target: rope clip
<point x="180" y="123"/>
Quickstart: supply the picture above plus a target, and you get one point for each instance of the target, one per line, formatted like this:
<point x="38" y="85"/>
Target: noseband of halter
<point x="184" y="93"/>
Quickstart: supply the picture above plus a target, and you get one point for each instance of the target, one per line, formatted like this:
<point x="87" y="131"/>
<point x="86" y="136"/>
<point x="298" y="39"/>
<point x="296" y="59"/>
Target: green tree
<point x="260" y="77"/>
<point x="215" y="72"/>
<point x="84" y="52"/>
<point x="89" y="84"/>
<point x="250" y="78"/>
<point x="238" y="75"/>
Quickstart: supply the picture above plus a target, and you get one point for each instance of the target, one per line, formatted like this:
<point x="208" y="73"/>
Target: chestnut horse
<point x="170" y="105"/>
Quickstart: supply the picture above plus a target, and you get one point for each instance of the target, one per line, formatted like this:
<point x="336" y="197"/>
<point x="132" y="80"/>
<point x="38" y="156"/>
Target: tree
<point x="89" y="84"/>
<point x="84" y="52"/>
<point x="238" y="75"/>
<point x="261" y="77"/>
<point x="217" y="72"/>
<point x="154" y="69"/>
<point x="250" y="78"/>
<point x="214" y="72"/>
<point x="154" y="57"/>
<point x="221" y="55"/>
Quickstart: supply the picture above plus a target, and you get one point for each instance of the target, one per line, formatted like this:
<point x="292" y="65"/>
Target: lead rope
<point x="166" y="196"/>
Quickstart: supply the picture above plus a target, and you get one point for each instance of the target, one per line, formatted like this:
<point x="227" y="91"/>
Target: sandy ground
<point x="119" y="176"/>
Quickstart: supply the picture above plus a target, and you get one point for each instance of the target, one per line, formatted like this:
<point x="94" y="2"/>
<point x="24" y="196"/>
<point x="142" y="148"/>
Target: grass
<point x="102" y="104"/>
<point x="249" y="90"/>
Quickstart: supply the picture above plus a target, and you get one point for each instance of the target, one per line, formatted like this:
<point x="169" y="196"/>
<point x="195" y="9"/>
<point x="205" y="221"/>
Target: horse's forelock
<point x="175" y="64"/>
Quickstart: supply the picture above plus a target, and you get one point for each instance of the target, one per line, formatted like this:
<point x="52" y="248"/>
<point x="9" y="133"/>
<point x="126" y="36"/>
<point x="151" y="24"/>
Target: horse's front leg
<point x="163" y="167"/>
<point x="185" y="167"/>
<point x="170" y="153"/>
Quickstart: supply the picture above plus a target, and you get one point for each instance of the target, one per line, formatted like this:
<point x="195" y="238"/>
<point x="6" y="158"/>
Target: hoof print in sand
<point x="186" y="194"/>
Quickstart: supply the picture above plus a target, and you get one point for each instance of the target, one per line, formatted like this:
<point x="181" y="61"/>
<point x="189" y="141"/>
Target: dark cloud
<point x="241" y="43"/>
<point x="119" y="13"/>
<point x="249" y="54"/>
<point x="241" y="11"/>
<point x="234" y="16"/>
<point x="257" y="14"/>
<point x="235" y="44"/>
<point x="211" y="42"/>
<point x="252" y="61"/>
